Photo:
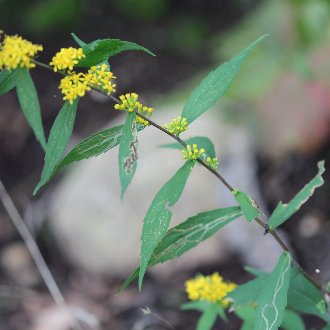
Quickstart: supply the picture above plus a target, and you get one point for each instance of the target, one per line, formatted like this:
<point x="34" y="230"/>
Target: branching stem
<point x="272" y="232"/>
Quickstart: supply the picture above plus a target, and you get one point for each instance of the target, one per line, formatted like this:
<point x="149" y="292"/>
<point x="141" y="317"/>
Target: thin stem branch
<point x="34" y="250"/>
<point x="272" y="232"/>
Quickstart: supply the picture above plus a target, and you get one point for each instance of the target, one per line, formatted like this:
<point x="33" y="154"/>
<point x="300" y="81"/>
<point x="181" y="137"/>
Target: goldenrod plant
<point x="271" y="300"/>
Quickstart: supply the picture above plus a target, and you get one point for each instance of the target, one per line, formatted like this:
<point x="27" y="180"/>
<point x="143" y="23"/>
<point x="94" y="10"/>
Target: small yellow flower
<point x="73" y="86"/>
<point x="130" y="103"/>
<point x="211" y="288"/>
<point x="192" y="153"/>
<point x="17" y="52"/>
<point x="177" y="126"/>
<point x="100" y="77"/>
<point x="212" y="162"/>
<point x="67" y="58"/>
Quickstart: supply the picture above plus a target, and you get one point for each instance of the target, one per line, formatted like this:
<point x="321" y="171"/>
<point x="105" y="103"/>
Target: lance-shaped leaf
<point x="100" y="50"/>
<point x="215" y="85"/>
<point x="247" y="204"/>
<point x="58" y="140"/>
<point x="208" y="318"/>
<point x="83" y="44"/>
<point x="7" y="81"/>
<point x="273" y="296"/>
<point x="285" y="211"/>
<point x="201" y="141"/>
<point x="128" y="156"/>
<point x="193" y="231"/>
<point x="94" y="145"/>
<point x="304" y="296"/>
<point x="28" y="99"/>
<point x="158" y="216"/>
<point x="187" y="235"/>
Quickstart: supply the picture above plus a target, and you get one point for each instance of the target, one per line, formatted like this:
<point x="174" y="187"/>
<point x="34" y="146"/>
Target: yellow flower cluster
<point x="73" y="86"/>
<point x="177" y="125"/>
<point x="130" y="103"/>
<point x="100" y="77"/>
<point x="77" y="84"/>
<point x="211" y="288"/>
<point x="212" y="162"/>
<point x="192" y="153"/>
<point x="67" y="58"/>
<point x="17" y="52"/>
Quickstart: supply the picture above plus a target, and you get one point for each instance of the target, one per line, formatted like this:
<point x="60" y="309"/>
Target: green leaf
<point x="78" y="40"/>
<point x="304" y="296"/>
<point x="247" y="314"/>
<point x="247" y="204"/>
<point x="7" y="81"/>
<point x="83" y="44"/>
<point x="248" y="293"/>
<point x="285" y="211"/>
<point x="28" y="99"/>
<point x="128" y="152"/>
<point x="273" y="296"/>
<point x="201" y="141"/>
<point x="187" y="235"/>
<point x="158" y="216"/>
<point x="208" y="318"/>
<point x="92" y="146"/>
<point x="199" y="305"/>
<point x="58" y="140"/>
<point x="292" y="321"/>
<point x="191" y="232"/>
<point x="215" y="85"/>
<point x="100" y="50"/>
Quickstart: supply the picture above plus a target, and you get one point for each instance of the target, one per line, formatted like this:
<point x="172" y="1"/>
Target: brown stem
<point x="272" y="232"/>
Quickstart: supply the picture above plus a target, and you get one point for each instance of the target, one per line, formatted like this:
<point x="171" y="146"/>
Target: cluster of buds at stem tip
<point x="192" y="153"/>
<point x="177" y="126"/>
<point x="130" y="103"/>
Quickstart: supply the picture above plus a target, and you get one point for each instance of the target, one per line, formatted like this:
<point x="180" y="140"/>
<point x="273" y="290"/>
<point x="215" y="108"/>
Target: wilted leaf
<point x="215" y="85"/>
<point x="158" y="216"/>
<point x="58" y="141"/>
<point x="285" y="211"/>
<point x="128" y="156"/>
<point x="29" y="101"/>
